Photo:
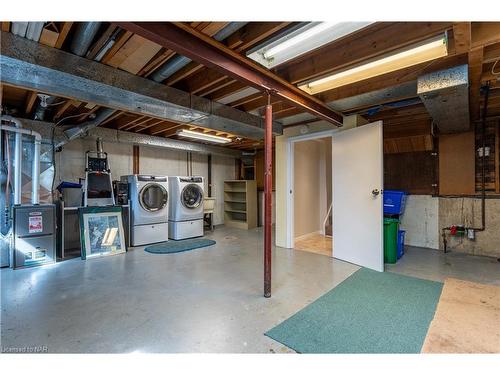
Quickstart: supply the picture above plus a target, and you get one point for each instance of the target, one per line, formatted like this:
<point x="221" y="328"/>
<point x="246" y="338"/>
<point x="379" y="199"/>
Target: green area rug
<point x="173" y="246"/>
<point x="369" y="312"/>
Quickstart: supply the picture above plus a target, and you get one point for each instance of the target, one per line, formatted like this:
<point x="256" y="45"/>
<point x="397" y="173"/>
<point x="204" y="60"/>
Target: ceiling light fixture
<point x="416" y="54"/>
<point x="203" y="136"/>
<point x="303" y="38"/>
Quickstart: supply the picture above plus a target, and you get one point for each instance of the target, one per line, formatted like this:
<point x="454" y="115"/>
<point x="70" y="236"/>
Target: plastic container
<point x="401" y="243"/>
<point x="394" y="202"/>
<point x="391" y="240"/>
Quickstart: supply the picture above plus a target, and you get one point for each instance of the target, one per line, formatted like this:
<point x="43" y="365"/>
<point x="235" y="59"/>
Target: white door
<point x="357" y="196"/>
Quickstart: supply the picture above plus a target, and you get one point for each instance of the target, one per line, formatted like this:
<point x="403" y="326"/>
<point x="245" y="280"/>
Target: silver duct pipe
<point x="229" y="29"/>
<point x="43" y="106"/>
<point x="35" y="178"/>
<point x="99" y="147"/>
<point x="18" y="150"/>
<point x="34" y="31"/>
<point x="82" y="129"/>
<point x="178" y="62"/>
<point x="173" y="65"/>
<point x="84" y="35"/>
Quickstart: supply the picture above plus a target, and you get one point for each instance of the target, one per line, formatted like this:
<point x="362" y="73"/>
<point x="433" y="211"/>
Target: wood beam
<point x="475" y="59"/>
<point x="103" y="39"/>
<point x="194" y="67"/>
<point x="485" y="33"/>
<point x="122" y="39"/>
<point x="30" y="102"/>
<point x="391" y="79"/>
<point x="253" y="33"/>
<point x="209" y="52"/>
<point x="6" y="26"/>
<point x="227" y="90"/>
<point x="63" y="34"/>
<point x="462" y="37"/>
<point x="216" y="86"/>
<point x="62" y="108"/>
<point x="370" y="42"/>
<point x="112" y="117"/>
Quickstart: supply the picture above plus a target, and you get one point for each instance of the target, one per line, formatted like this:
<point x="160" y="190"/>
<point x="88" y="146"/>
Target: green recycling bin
<point x="390" y="240"/>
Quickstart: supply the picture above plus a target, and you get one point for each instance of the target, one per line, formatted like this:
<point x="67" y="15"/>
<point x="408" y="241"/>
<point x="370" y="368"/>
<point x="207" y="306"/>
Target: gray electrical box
<point x="34" y="235"/>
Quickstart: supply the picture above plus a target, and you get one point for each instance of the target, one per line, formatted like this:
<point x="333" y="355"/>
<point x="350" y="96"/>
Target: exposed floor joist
<point x="33" y="66"/>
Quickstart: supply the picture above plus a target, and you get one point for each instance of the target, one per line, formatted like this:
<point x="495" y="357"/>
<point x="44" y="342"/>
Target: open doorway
<point x="312" y="198"/>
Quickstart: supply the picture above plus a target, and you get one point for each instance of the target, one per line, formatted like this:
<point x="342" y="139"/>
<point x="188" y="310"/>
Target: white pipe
<point x="35" y="178"/>
<point x="18" y="149"/>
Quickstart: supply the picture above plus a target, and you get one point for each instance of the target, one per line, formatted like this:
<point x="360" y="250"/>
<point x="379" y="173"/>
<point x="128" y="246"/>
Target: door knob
<point x="375" y="192"/>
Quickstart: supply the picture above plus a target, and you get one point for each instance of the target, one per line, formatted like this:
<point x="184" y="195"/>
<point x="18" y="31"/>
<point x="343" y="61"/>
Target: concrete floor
<point x="205" y="300"/>
<point x="437" y="266"/>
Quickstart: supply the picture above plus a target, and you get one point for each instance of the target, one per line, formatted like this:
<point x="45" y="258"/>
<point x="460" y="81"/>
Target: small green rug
<point x="369" y="312"/>
<point x="173" y="246"/>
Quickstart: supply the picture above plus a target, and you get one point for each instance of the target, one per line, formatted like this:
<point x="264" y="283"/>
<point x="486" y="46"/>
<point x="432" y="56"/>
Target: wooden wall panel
<point x="456" y="164"/>
<point x="413" y="172"/>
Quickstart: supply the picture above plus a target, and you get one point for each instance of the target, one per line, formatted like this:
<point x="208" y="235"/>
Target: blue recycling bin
<point x="394" y="202"/>
<point x="401" y="243"/>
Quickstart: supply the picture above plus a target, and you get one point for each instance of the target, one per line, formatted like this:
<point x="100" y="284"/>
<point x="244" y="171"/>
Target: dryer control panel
<point x="191" y="179"/>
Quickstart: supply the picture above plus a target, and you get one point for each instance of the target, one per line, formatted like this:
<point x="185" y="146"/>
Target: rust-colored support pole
<point x="268" y="197"/>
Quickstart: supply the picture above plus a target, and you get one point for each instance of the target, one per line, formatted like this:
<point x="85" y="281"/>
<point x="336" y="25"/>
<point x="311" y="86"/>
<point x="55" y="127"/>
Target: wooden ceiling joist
<point x="207" y="51"/>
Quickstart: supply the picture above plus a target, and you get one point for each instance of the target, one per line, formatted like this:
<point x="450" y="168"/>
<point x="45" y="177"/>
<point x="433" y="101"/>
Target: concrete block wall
<point x="421" y="221"/>
<point x="70" y="165"/>
<point x="425" y="216"/>
<point x="467" y="211"/>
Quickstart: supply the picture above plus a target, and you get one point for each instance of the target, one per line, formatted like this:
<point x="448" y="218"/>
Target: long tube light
<point x="303" y="39"/>
<point x="203" y="136"/>
<point x="417" y="54"/>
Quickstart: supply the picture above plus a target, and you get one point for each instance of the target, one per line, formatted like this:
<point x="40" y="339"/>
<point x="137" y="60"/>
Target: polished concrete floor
<point x="205" y="300"/>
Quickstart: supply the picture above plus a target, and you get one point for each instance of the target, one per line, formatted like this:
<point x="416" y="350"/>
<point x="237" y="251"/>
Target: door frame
<point x="290" y="190"/>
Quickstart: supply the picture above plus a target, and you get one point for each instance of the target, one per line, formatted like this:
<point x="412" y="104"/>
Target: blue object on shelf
<point x="401" y="243"/>
<point x="394" y="202"/>
<point x="66" y="184"/>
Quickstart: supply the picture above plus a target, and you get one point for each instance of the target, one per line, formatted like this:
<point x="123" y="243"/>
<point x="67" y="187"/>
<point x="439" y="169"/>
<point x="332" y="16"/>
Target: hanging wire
<point x="493" y="69"/>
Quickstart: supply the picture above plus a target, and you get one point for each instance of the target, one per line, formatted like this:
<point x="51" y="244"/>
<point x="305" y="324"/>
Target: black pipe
<point x="484" y="115"/>
<point x="209" y="172"/>
<point x="483" y="163"/>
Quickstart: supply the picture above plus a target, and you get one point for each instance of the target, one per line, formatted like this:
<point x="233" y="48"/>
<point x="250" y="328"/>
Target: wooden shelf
<point x="240" y="204"/>
<point x="237" y="211"/>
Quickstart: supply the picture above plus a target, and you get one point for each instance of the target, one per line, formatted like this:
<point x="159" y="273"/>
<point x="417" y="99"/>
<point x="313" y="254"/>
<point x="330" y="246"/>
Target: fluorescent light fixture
<point x="304" y="38"/>
<point x="203" y="136"/>
<point x="416" y="54"/>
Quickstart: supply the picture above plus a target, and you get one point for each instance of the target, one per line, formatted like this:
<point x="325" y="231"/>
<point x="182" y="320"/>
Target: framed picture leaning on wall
<point x="101" y="231"/>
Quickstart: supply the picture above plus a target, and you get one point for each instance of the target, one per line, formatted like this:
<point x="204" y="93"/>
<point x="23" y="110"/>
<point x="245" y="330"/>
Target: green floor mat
<point x="370" y="312"/>
<point x="173" y="246"/>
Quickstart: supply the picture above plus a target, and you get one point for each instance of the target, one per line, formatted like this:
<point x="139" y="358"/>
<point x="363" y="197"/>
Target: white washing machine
<point x="185" y="217"/>
<point x="149" y="201"/>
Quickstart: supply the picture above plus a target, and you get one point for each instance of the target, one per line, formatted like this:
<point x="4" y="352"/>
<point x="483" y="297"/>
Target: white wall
<point x="157" y="161"/>
<point x="421" y="221"/>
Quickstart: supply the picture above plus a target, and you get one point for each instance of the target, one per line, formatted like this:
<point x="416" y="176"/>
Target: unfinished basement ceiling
<point x="390" y="97"/>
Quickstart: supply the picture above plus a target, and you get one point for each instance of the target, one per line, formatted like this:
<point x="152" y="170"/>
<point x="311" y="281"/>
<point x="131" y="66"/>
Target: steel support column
<point x="268" y="197"/>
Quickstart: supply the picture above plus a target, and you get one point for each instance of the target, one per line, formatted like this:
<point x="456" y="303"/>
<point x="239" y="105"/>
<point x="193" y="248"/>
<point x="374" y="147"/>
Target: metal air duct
<point x="445" y="94"/>
<point x="35" y="178"/>
<point x="84" y="35"/>
<point x="178" y="62"/>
